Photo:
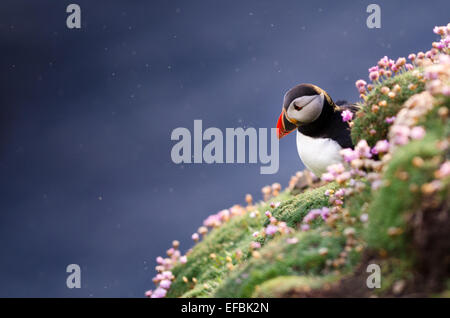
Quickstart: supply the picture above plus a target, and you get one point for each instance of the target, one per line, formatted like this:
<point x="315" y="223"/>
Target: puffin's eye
<point x="297" y="107"/>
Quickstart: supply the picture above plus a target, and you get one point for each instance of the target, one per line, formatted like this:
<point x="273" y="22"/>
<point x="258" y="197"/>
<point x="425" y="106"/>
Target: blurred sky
<point x="86" y="116"/>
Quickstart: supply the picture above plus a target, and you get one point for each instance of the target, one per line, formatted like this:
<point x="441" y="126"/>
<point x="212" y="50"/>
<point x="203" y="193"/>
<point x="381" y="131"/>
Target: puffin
<point x="321" y="131"/>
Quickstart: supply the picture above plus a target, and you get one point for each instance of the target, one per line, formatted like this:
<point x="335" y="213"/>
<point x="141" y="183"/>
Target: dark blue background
<point x="87" y="114"/>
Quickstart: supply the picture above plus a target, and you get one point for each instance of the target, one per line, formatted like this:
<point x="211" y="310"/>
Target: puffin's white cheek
<point x="311" y="112"/>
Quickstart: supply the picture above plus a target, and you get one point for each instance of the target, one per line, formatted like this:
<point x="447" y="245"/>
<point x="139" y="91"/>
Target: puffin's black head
<point x="302" y="105"/>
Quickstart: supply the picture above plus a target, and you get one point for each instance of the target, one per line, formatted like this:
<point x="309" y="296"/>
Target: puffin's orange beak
<point x="281" y="128"/>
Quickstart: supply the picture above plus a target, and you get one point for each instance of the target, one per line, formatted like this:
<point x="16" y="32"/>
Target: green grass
<point x="237" y="234"/>
<point x="281" y="259"/>
<point x="223" y="241"/>
<point x="284" y="285"/>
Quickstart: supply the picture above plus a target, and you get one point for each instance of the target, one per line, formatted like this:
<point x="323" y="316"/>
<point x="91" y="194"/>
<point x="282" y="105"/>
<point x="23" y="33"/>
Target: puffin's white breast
<point x="318" y="153"/>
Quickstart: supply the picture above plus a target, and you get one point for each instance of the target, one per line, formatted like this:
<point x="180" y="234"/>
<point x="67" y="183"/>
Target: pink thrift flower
<point x="170" y="251"/>
<point x="340" y="192"/>
<point x="409" y="66"/>
<point x="376" y="184"/>
<point x="325" y="213"/>
<point x="440" y="30"/>
<point x="347" y="115"/>
<point x="373" y="76"/>
<point x="363" y="149"/>
<point x="336" y="169"/>
<point x="212" y="221"/>
<point x="292" y="240"/>
<point x="312" y="215"/>
<point x="255" y="234"/>
<point x="373" y="69"/>
<point x="224" y="215"/>
<point x="327" y="177"/>
<point x="446" y="90"/>
<point x="165" y="284"/>
<point x="160" y="260"/>
<point x="195" y="237"/>
<point x="268" y="214"/>
<point x="441" y="45"/>
<point x="304" y="227"/>
<point x="148" y="293"/>
<point x="344" y="176"/>
<point x="255" y="245"/>
<point x="390" y="120"/>
<point x="349" y="154"/>
<point x="401" y="140"/>
<point x="417" y="132"/>
<point x="444" y="170"/>
<point x="183" y="259"/>
<point x="382" y="146"/>
<point x="271" y="229"/>
<point x="159" y="293"/>
<point x="400" y="62"/>
<point x="383" y="62"/>
<point x="167" y="275"/>
<point x="401" y="134"/>
<point x="274" y="205"/>
<point x="360" y="83"/>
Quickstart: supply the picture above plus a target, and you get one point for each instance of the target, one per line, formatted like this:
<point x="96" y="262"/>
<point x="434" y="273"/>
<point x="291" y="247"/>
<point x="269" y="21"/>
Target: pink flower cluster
<point x="215" y="220"/>
<point x="444" y="32"/>
<point x="164" y="280"/>
<point x="324" y="213"/>
<point x="274" y="226"/>
<point x="382" y="146"/>
<point x="387" y="67"/>
<point x="403" y="134"/>
<point x="438" y="76"/>
<point x="164" y="277"/>
<point x="390" y="120"/>
<point x="362" y="151"/>
<point x="333" y="171"/>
